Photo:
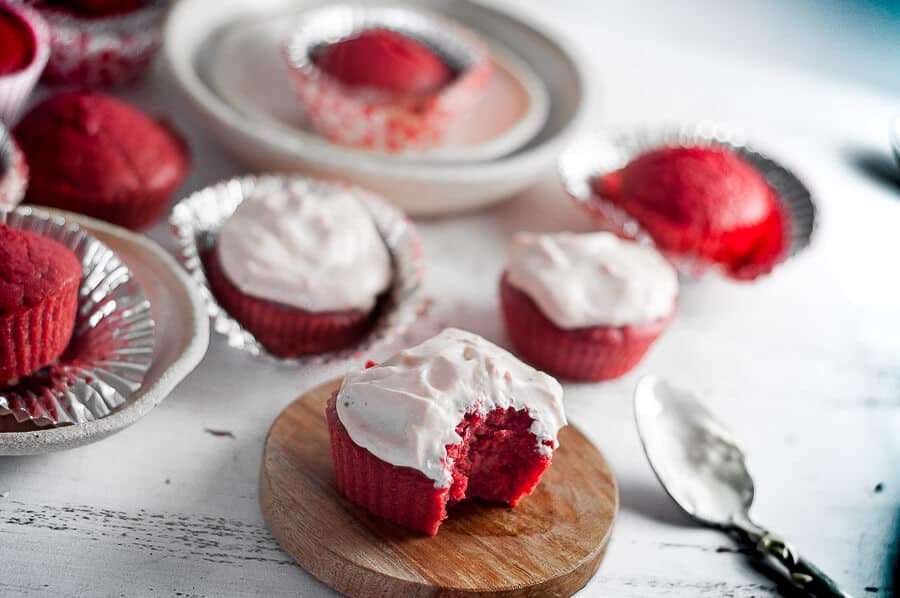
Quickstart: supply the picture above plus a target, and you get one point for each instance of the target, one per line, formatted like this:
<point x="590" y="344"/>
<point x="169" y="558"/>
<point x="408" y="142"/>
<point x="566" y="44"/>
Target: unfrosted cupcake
<point x="302" y="270"/>
<point x="703" y="204"/>
<point x="94" y="154"/>
<point x="453" y="418"/>
<point x="585" y="306"/>
<point x="386" y="79"/>
<point x="39" y="280"/>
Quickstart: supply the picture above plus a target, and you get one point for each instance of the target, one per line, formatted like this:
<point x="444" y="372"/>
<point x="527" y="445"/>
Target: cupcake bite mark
<point x="453" y="418"/>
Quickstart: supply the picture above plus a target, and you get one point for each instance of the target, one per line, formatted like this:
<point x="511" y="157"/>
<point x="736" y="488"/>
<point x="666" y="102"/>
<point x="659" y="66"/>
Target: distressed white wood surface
<point x="804" y="365"/>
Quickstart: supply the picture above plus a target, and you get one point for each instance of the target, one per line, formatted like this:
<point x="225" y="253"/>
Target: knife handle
<point x="801" y="573"/>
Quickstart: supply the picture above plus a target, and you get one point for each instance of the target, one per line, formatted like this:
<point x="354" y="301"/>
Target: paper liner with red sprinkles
<point x="112" y="344"/>
<point x="385" y="122"/>
<point x="589" y="354"/>
<point x="102" y="51"/>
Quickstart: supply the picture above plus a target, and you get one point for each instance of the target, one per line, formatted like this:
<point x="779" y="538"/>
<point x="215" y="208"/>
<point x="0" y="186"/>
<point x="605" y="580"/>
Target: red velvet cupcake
<point x="585" y="307"/>
<point x="453" y="418"/>
<point x="101" y="42"/>
<point x="704" y="203"/>
<point x="391" y="80"/>
<point x="93" y="154"/>
<point x="303" y="271"/>
<point x="39" y="281"/>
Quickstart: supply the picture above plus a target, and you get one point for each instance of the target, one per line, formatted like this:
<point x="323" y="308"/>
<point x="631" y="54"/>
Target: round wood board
<point x="550" y="545"/>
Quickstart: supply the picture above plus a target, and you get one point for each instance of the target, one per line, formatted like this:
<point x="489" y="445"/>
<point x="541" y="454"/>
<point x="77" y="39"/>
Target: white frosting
<point x="405" y="410"/>
<point x="312" y="248"/>
<point x="594" y="279"/>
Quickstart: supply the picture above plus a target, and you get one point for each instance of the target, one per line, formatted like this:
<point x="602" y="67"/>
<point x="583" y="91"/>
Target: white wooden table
<point x="804" y="365"/>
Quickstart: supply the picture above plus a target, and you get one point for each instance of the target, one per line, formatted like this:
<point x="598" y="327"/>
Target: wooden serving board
<point x="550" y="545"/>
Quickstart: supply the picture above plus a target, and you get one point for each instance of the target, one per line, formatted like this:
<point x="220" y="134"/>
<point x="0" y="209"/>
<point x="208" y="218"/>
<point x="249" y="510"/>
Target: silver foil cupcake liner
<point x="106" y="50"/>
<point x="112" y="343"/>
<point x="373" y="119"/>
<point x="609" y="150"/>
<point x="15" y="88"/>
<point x="13" y="170"/>
<point x="196" y="221"/>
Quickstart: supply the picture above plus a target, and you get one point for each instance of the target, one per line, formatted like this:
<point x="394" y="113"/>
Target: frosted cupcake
<point x="302" y="270"/>
<point x="453" y="418"/>
<point x="585" y="306"/>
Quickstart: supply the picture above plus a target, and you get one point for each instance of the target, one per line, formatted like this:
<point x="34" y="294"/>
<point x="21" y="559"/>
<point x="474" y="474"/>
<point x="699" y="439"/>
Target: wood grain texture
<point x="550" y="545"/>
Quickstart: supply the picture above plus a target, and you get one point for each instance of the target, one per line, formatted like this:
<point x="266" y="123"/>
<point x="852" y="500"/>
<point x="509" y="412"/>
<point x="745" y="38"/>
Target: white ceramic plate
<point x="247" y="70"/>
<point x="182" y="336"/>
<point x="420" y="188"/>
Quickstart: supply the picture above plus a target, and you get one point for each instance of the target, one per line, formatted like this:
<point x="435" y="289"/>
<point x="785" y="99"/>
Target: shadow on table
<point x="649" y="500"/>
<point x="877" y="165"/>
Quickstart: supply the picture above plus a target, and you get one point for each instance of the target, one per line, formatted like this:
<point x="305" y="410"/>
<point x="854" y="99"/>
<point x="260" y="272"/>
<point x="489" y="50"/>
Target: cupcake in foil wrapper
<point x="16" y="86"/>
<point x="102" y="51"/>
<point x="112" y="343"/>
<point x="13" y="170"/>
<point x="609" y="150"/>
<point x="196" y="222"/>
<point x="384" y="121"/>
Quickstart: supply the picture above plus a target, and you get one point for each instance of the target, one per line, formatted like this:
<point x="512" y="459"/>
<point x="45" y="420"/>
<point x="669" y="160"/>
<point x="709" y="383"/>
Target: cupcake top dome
<point x="406" y="410"/>
<point x="593" y="279"/>
<point x="31" y="267"/>
<point x="313" y="248"/>
<point x="386" y="60"/>
<point x="18" y="43"/>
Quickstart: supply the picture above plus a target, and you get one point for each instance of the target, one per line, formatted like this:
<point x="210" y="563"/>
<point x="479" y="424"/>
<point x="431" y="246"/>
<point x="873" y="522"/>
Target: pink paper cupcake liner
<point x="102" y="51"/>
<point x="16" y="87"/>
<point x="376" y="121"/>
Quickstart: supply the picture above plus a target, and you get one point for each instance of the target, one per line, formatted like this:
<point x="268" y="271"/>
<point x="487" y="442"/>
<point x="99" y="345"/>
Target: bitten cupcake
<point x="585" y="307"/>
<point x="101" y="42"/>
<point x="453" y="418"/>
<point x="702" y="203"/>
<point x="94" y="154"/>
<point x="39" y="281"/>
<point x="24" y="48"/>
<point x="302" y="270"/>
<point x="391" y="80"/>
<point x="13" y="171"/>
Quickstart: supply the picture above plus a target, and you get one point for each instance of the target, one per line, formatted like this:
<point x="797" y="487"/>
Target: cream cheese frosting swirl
<point x="593" y="279"/>
<point x="405" y="411"/>
<point x="313" y="247"/>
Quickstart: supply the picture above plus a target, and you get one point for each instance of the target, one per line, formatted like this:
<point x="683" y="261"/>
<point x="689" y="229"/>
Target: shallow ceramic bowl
<point x="182" y="336"/>
<point x="419" y="188"/>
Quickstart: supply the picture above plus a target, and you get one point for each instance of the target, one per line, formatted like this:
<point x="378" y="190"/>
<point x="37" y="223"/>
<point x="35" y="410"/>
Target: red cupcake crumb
<point x="705" y="202"/>
<point x="286" y="331"/>
<point x="94" y="154"/>
<point x="589" y="354"/>
<point x="39" y="280"/>
<point x="17" y="44"/>
<point x="495" y="461"/>
<point x="385" y="60"/>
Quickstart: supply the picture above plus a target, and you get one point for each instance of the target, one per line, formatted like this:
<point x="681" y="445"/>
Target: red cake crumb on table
<point x="39" y="280"/>
<point x="385" y="60"/>
<point x="283" y="330"/>
<point x="589" y="354"/>
<point x="702" y="201"/>
<point x="496" y="461"/>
